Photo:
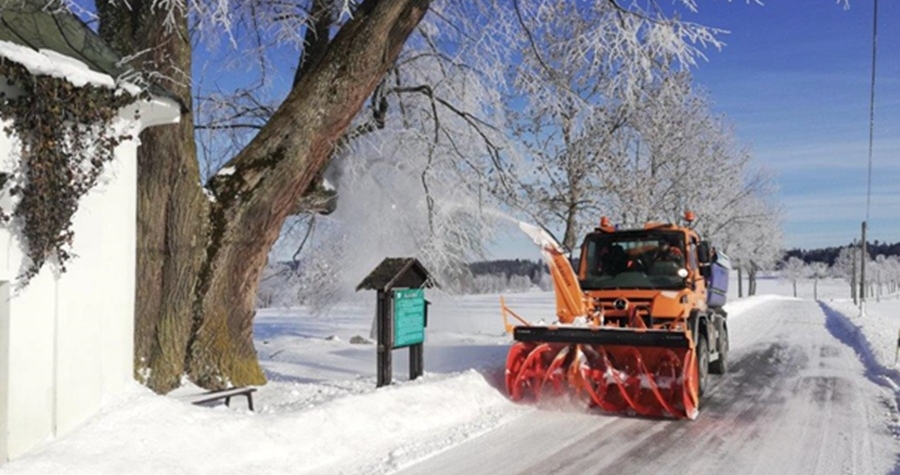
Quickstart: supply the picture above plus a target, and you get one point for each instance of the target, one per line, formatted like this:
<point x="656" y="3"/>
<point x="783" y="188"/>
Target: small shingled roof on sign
<point x="393" y="271"/>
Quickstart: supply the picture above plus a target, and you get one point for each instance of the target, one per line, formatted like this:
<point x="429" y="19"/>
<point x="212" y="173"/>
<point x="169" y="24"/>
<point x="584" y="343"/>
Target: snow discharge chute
<point x="639" y="324"/>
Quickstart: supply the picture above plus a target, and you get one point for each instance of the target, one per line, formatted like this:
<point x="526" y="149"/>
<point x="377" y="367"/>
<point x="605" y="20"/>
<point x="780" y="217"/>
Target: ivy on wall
<point x="66" y="140"/>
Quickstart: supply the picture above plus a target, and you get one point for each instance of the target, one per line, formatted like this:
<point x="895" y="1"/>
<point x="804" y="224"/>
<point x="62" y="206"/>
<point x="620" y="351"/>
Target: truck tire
<point x="720" y="366"/>
<point x="702" y="363"/>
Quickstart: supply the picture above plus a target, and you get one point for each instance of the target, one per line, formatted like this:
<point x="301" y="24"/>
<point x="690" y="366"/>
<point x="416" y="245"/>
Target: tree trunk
<point x="740" y="282"/>
<point x="795" y="287"/>
<point x="199" y="263"/>
<point x="751" y="279"/>
<point x="171" y="206"/>
<point x="570" y="239"/>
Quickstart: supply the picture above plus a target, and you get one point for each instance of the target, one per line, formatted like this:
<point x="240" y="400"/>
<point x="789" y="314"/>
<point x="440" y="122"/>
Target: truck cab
<point x="657" y="259"/>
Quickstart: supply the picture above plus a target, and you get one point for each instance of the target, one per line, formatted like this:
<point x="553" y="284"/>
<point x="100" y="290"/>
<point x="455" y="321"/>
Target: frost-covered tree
<point x="753" y="238"/>
<point x="847" y="267"/>
<point x="275" y="287"/>
<point x="891" y="273"/>
<point x="545" y="281"/>
<point x="817" y="271"/>
<point x="674" y="155"/>
<point x="793" y="270"/>
<point x="579" y="72"/>
<point x="686" y="157"/>
<point x="868" y="287"/>
<point x="885" y="271"/>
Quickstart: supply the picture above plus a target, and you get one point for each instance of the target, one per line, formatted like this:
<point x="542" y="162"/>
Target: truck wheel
<point x="703" y="363"/>
<point x="720" y="366"/>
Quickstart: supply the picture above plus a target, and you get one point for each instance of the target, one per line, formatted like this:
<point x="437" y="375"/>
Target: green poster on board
<point x="409" y="317"/>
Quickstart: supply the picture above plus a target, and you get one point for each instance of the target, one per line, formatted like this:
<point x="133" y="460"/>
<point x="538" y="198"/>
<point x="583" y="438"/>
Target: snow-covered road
<point x="796" y="400"/>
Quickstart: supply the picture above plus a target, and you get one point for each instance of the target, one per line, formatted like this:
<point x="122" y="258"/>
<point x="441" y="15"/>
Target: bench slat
<point x="225" y="394"/>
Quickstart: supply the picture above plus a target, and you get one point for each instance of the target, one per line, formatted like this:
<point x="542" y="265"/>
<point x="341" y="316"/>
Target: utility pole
<point x="864" y="254"/>
<point x="862" y="271"/>
<point x="853" y="274"/>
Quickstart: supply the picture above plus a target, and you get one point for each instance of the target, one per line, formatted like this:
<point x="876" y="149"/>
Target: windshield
<point x="640" y="260"/>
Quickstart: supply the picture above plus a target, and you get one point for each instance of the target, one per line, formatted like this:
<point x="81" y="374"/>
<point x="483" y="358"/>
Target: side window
<point x="692" y="255"/>
<point x="588" y="258"/>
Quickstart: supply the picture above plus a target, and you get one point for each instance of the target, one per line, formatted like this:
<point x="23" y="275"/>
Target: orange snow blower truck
<point x="639" y="326"/>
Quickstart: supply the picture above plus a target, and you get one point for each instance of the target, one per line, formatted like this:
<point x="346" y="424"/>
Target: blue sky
<point x="794" y="81"/>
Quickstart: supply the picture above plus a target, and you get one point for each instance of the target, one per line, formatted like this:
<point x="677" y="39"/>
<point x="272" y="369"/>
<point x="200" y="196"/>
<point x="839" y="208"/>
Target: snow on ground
<point x="878" y="326"/>
<point x="874" y="333"/>
<point x="320" y="411"/>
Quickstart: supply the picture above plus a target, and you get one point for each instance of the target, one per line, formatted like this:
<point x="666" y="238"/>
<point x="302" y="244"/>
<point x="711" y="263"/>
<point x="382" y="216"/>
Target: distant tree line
<point x="882" y="275"/>
<point x="829" y="255"/>
<point x="509" y="267"/>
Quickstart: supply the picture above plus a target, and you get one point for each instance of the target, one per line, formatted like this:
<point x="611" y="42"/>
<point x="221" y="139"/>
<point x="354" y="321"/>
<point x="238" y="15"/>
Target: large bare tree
<point x="201" y="257"/>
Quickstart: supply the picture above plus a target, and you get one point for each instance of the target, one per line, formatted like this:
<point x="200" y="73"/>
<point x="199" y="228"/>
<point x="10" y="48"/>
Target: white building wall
<point x="66" y="341"/>
<point x="4" y="367"/>
<point x="32" y="331"/>
<point x="96" y="297"/>
<point x="117" y="360"/>
<point x="71" y="335"/>
<point x="5" y="146"/>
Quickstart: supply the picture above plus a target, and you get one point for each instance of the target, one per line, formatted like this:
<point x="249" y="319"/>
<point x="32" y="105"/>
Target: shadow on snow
<point x="851" y="335"/>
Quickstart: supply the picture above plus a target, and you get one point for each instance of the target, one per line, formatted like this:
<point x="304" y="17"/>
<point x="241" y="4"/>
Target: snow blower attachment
<point x="639" y="325"/>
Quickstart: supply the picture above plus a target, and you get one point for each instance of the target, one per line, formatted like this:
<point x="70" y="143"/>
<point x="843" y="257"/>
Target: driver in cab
<point x="666" y="252"/>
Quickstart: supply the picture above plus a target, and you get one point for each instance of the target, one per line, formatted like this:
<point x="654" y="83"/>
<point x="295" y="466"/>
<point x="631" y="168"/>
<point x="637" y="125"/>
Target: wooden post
<point x="385" y="339"/>
<point x="417" y="354"/>
<point x="853" y="276"/>
<point x="897" y="353"/>
<point x="862" y="269"/>
<point x="416" y="361"/>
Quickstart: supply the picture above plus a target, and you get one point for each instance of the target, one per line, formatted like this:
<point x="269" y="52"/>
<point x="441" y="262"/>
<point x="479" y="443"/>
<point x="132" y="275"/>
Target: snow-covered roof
<point x="51" y="63"/>
<point x="49" y="40"/>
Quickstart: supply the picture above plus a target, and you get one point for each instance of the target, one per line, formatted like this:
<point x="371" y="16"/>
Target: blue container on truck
<point x="717" y="287"/>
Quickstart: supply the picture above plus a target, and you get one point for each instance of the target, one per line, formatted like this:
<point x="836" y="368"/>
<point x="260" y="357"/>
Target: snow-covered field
<point x="320" y="412"/>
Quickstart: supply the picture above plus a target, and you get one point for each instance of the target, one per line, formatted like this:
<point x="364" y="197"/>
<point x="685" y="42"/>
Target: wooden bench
<point x="226" y="394"/>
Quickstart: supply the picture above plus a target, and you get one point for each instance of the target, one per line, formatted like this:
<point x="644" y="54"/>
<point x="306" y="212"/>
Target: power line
<point x="864" y="253"/>
<point x="872" y="108"/>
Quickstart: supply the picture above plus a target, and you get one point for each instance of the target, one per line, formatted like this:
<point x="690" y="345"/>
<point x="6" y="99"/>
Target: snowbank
<point x="142" y="433"/>
<point x="874" y="333"/>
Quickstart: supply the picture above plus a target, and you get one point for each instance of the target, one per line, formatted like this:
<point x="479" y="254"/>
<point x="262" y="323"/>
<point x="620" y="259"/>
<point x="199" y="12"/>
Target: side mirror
<point x="704" y="258"/>
<point x="703" y="253"/>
